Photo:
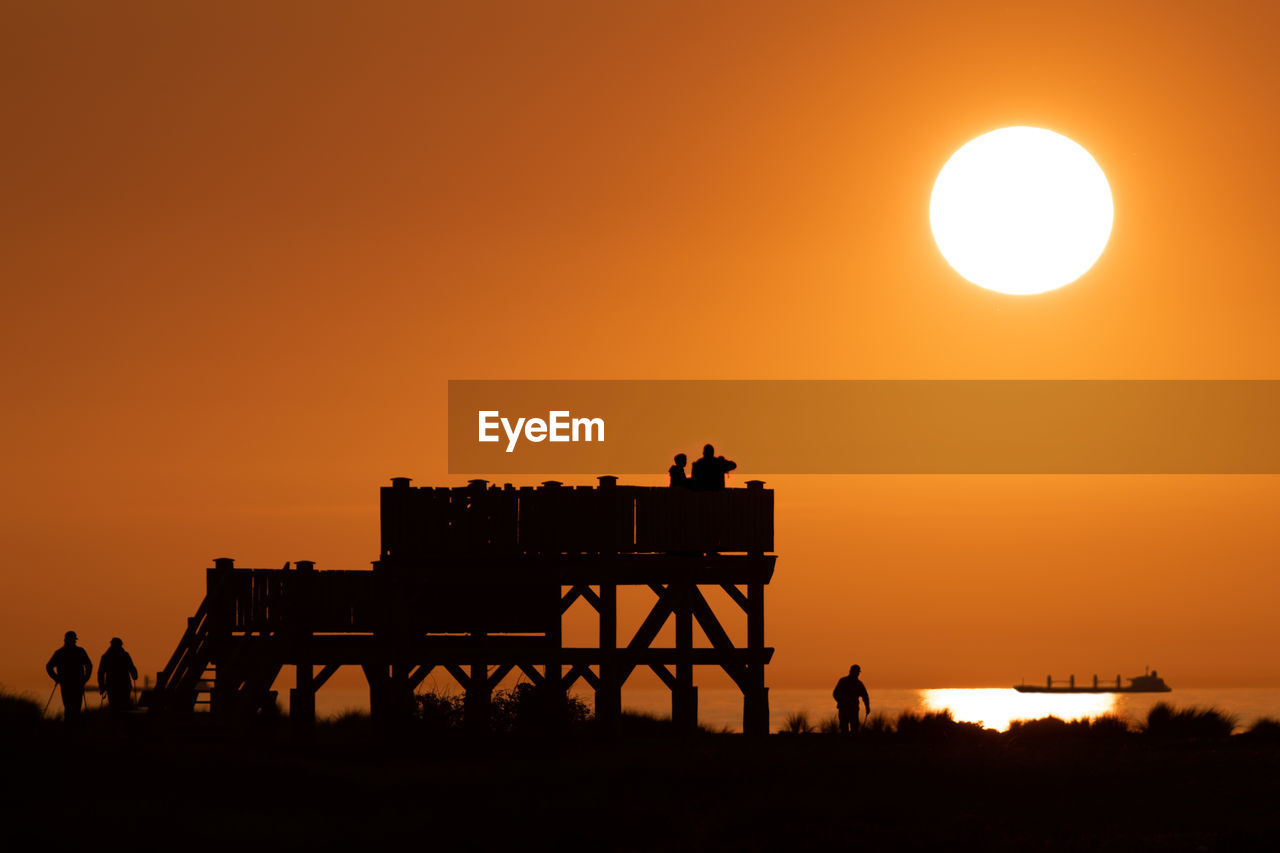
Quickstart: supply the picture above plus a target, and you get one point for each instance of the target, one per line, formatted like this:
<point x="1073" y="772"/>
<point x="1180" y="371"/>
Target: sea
<point x="720" y="708"/>
<point x="991" y="707"/>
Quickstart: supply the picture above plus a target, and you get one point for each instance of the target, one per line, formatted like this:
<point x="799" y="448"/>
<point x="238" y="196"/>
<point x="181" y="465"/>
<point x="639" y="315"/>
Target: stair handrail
<point x="195" y="630"/>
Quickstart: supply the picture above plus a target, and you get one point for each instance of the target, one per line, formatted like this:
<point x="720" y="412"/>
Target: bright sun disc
<point x="1021" y="210"/>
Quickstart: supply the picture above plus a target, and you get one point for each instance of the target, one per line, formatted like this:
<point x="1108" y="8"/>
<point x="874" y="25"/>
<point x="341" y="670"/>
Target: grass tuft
<point x="1264" y="730"/>
<point x="18" y="711"/>
<point x="797" y="723"/>
<point x="1166" y="722"/>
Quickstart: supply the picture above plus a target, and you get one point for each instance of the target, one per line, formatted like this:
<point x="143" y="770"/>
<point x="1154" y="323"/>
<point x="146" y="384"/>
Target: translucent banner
<point x="629" y="427"/>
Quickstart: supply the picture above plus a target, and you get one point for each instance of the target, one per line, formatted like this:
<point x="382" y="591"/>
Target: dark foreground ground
<point x="189" y="786"/>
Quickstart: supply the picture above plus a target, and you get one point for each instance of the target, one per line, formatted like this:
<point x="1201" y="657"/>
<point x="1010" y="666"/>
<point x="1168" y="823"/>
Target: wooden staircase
<point x="191" y="677"/>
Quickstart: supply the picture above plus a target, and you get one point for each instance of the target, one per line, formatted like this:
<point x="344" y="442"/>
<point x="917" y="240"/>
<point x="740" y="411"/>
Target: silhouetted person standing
<point x="116" y="674"/>
<point x="847" y="693"/>
<point x="679" y="479"/>
<point x="70" y="667"/>
<point x="709" y="471"/>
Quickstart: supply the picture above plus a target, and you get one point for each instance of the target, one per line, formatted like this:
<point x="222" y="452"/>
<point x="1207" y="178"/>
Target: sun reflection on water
<point x="996" y="707"/>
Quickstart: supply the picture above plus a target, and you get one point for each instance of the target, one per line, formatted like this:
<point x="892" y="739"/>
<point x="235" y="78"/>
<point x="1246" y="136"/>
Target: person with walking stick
<point x="847" y="693"/>
<point x="70" y="668"/>
<point x="116" y="674"/>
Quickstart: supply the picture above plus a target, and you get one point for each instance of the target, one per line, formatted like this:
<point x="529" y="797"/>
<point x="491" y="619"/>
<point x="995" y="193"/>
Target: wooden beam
<point x="323" y="675"/>
<point x="653" y="623"/>
<point x="416" y="677"/>
<point x="684" y="694"/>
<point x="531" y="671"/>
<point x="719" y="638"/>
<point x="609" y="694"/>
<point x="707" y="619"/>
<point x="459" y="674"/>
<point x="755" y="621"/>
<point x="576" y="591"/>
<point x="460" y="649"/>
<point x="569" y="598"/>
<point x="584" y="672"/>
<point x="665" y="674"/>
<point x="736" y="594"/>
<point x="500" y="673"/>
<point x="648" y="629"/>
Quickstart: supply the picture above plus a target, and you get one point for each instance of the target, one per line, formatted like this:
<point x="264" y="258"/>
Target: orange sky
<point x="242" y="249"/>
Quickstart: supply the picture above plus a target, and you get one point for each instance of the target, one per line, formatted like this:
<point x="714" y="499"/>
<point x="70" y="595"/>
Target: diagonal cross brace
<point x="576" y="591"/>
<point x="717" y="635"/>
<point x="652" y="624"/>
<point x="665" y="674"/>
<point x="500" y="673"/>
<point x="584" y="672"/>
<point x="323" y="675"/>
<point x="459" y="674"/>
<point x="736" y="594"/>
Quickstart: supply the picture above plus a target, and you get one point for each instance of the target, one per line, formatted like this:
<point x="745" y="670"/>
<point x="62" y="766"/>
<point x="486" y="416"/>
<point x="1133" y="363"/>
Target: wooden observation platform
<point x="474" y="581"/>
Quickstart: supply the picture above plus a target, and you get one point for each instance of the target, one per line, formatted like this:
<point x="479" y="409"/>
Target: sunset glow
<point x="996" y="708"/>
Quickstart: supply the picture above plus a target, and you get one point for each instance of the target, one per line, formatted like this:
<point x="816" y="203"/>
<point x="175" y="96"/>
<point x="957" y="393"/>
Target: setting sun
<point x="1021" y="210"/>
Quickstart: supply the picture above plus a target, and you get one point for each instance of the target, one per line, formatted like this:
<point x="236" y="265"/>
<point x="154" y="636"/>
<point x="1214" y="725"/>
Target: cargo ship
<point x="1150" y="682"/>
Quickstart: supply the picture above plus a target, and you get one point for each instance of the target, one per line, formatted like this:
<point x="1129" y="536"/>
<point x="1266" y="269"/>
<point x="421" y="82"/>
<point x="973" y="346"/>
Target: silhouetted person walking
<point x="116" y="674"/>
<point x="709" y="471"/>
<point x="70" y="667"/>
<point x="847" y="693"/>
<point x="679" y="479"/>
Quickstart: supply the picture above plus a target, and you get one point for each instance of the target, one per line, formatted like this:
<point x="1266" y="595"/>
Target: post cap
<point x="755" y="484"/>
<point x="401" y="482"/>
<point x="477" y="483"/>
<point x="224" y="563"/>
<point x="551" y="484"/>
<point x="607" y="480"/>
<point x="304" y="565"/>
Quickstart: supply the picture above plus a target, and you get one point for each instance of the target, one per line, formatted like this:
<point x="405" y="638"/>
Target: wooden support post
<point x="609" y="693"/>
<point x="218" y="597"/>
<point x="476" y="701"/>
<point x="401" y="694"/>
<point x="755" y="696"/>
<point x="552" y="688"/>
<point x="684" y="696"/>
<point x="378" y="676"/>
<point x="302" y="698"/>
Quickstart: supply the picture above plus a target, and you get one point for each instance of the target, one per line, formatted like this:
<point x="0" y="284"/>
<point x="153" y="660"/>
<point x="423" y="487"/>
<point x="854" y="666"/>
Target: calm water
<point x="992" y="707"/>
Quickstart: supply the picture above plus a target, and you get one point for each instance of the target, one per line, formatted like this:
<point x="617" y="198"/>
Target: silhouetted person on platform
<point x="709" y="471"/>
<point x="679" y="479"/>
<point x="70" y="667"/>
<point x="847" y="693"/>
<point x="116" y="674"/>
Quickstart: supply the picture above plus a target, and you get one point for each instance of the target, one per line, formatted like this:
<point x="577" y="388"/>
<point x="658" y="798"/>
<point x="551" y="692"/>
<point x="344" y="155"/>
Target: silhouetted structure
<point x="848" y="691"/>
<point x="70" y="667"/>
<point x="116" y="674"/>
<point x="709" y="470"/>
<point x="1151" y="682"/>
<point x="475" y="580"/>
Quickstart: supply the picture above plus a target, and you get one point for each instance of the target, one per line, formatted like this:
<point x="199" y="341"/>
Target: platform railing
<point x="419" y="522"/>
